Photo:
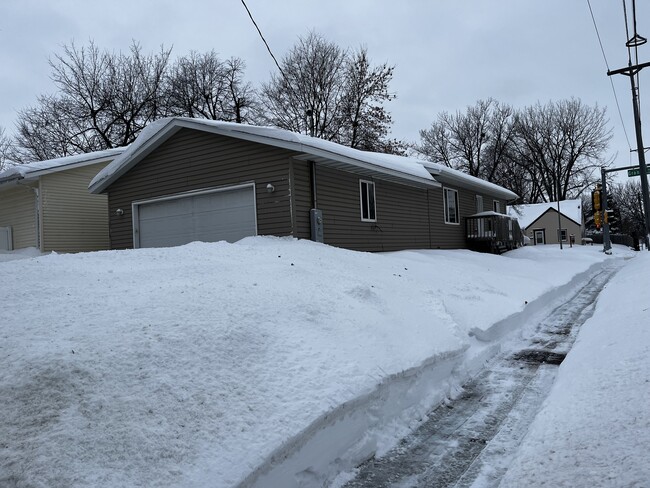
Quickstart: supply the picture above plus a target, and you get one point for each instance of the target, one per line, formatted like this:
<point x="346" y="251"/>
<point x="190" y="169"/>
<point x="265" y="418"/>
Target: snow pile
<point x="191" y="366"/>
<point x="594" y="428"/>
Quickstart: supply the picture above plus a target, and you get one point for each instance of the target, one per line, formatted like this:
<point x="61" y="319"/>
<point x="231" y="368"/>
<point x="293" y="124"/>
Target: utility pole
<point x="631" y="71"/>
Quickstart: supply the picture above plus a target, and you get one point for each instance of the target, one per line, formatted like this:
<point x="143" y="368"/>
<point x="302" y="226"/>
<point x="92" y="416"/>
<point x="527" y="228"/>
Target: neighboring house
<point x="46" y="204"/>
<point x="540" y="221"/>
<point x="190" y="179"/>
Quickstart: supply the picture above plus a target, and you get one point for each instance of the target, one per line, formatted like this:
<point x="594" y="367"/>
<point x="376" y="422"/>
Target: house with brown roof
<point x="46" y="204"/>
<point x="191" y="179"/>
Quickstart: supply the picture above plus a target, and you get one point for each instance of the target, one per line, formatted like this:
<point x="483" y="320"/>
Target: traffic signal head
<point x="597" y="220"/>
<point x="595" y="199"/>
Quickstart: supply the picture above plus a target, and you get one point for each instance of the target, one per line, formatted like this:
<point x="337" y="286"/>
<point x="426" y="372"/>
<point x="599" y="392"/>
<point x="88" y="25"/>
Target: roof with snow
<point x="386" y="166"/>
<point x="39" y="168"/>
<point x="527" y="214"/>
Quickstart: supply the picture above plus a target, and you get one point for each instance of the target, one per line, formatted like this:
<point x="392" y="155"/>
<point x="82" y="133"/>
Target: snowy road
<point x="470" y="440"/>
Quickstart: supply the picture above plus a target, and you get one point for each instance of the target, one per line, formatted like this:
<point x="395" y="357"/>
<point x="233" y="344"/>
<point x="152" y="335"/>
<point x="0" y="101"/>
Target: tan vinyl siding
<point x="193" y="160"/>
<point x="18" y="211"/>
<point x="402" y="213"/>
<point x="73" y="219"/>
<point x="548" y="222"/>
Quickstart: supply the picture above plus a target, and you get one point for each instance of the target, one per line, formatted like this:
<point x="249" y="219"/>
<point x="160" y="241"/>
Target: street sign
<point x="637" y="171"/>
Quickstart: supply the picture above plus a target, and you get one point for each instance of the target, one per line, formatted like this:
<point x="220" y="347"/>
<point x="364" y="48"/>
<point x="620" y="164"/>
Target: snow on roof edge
<point x="529" y="213"/>
<point x="401" y="166"/>
<point x="407" y="168"/>
<point x="36" y="168"/>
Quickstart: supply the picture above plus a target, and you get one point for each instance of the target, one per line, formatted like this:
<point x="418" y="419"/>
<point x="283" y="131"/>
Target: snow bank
<point x="594" y="428"/>
<point x="206" y="364"/>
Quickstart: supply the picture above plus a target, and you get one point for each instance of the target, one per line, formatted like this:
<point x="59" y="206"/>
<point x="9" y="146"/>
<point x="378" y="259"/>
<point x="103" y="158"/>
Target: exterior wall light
<point x="270" y="188"/>
<point x="119" y="212"/>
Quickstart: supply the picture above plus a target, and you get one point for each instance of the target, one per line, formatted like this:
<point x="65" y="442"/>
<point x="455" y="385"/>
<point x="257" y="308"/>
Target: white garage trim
<point x="135" y="206"/>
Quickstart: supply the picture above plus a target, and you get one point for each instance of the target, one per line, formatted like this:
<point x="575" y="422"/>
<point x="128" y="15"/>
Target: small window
<point x="496" y="206"/>
<point x="368" y="206"/>
<point x="451" y="206"/>
<point x="563" y="235"/>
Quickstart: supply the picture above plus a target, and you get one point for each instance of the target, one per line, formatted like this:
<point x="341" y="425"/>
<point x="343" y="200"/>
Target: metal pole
<point x="559" y="215"/>
<point x="642" y="166"/>
<point x="607" y="244"/>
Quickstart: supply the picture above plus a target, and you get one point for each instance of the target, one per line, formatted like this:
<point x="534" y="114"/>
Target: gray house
<point x="46" y="204"/>
<point x="187" y="179"/>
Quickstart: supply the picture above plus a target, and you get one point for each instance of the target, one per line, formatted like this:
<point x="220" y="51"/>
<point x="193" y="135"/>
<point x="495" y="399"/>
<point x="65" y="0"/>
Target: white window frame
<point x="566" y="235"/>
<point x="445" y="193"/>
<point x="496" y="206"/>
<point x="372" y="209"/>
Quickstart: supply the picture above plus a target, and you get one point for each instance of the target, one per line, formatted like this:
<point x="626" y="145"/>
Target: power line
<point x="263" y="40"/>
<point x="611" y="82"/>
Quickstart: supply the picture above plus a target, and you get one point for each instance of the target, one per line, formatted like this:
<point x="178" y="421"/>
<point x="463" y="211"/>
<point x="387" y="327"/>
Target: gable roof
<point x="32" y="171"/>
<point x="387" y="166"/>
<point x="527" y="214"/>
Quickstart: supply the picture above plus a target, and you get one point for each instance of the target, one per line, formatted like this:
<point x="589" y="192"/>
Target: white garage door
<point x="226" y="214"/>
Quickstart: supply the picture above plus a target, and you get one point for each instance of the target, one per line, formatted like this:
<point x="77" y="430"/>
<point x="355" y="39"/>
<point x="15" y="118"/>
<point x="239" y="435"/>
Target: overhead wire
<point x="268" y="48"/>
<point x="611" y="82"/>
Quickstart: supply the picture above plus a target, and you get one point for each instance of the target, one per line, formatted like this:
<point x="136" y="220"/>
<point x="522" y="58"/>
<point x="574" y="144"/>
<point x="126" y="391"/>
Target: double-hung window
<point x="368" y="205"/>
<point x="451" y="206"/>
<point x="496" y="206"/>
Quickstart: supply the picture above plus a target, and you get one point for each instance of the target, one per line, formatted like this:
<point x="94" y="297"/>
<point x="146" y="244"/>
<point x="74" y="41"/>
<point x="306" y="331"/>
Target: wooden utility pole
<point x="631" y="71"/>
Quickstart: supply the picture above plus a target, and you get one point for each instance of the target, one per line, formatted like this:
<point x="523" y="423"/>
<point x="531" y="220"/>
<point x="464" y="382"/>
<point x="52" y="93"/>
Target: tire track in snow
<point x="470" y="440"/>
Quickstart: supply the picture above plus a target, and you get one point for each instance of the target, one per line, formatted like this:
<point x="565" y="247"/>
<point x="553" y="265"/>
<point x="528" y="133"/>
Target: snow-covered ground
<point x="594" y="428"/>
<point x="209" y="364"/>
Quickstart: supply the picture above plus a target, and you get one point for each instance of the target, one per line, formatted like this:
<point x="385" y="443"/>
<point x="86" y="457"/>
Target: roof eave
<point x="307" y="151"/>
<point x="462" y="181"/>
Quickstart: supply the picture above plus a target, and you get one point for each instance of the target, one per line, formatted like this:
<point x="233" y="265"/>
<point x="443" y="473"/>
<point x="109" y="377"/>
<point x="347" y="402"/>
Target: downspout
<point x="312" y="177"/>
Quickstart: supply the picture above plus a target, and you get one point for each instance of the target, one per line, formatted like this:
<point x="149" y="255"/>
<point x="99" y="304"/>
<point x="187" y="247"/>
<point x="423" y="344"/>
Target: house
<point x="540" y="221"/>
<point x="46" y="204"/>
<point x="192" y="179"/>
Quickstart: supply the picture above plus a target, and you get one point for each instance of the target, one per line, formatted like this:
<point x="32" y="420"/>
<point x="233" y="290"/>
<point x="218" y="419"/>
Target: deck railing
<point x="493" y="232"/>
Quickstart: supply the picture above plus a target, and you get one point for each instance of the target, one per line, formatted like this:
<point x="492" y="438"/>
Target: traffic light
<point x="611" y="218"/>
<point x="595" y="199"/>
<point x="597" y="220"/>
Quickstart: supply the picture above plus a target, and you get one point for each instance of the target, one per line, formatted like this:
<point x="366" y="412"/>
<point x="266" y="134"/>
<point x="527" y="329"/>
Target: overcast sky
<point x="447" y="54"/>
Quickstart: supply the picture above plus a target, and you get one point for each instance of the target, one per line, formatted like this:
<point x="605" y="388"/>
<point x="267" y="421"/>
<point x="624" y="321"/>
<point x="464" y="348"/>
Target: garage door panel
<point x="221" y="215"/>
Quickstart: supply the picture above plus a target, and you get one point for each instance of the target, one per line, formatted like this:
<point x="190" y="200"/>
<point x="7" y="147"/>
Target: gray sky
<point x="448" y="54"/>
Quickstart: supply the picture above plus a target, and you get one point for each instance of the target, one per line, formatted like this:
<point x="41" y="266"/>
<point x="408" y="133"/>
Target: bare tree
<point x="332" y="94"/>
<point x="204" y="86"/>
<point x="565" y="143"/>
<point x="7" y="150"/>
<point x="306" y="96"/>
<point x="627" y="198"/>
<point x="478" y="141"/>
<point x="104" y="100"/>
<point x="542" y="153"/>
<point x="364" y="121"/>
